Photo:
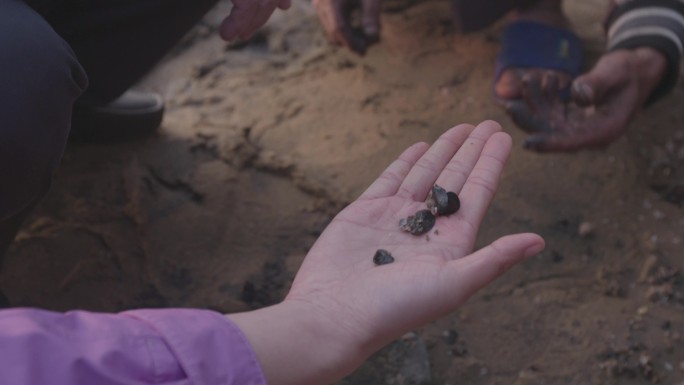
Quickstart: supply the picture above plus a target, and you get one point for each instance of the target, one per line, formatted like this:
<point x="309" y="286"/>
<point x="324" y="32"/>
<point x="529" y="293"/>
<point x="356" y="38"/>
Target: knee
<point x="42" y="66"/>
<point x="38" y="85"/>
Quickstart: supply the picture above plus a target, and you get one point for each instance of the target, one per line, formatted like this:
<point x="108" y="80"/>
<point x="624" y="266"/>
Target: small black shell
<point x="441" y="202"/>
<point x="382" y="257"/>
<point x="418" y="224"/>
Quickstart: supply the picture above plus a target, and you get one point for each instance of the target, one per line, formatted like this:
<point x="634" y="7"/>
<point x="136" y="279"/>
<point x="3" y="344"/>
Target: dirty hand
<point x="247" y="16"/>
<point x="336" y="15"/>
<point x="345" y="307"/>
<point x="603" y="101"/>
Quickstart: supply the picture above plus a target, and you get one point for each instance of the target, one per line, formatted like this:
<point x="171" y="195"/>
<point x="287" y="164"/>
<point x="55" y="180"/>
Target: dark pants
<point x="53" y="52"/>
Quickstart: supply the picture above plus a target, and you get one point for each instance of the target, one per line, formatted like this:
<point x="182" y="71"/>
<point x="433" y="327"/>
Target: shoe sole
<point x="102" y="126"/>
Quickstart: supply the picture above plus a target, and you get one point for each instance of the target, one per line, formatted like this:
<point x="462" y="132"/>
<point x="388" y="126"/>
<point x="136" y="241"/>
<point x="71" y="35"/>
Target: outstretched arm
<point x="342" y="307"/>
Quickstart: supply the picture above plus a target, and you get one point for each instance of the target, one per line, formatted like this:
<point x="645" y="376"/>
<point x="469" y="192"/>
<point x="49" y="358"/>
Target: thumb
<point x="480" y="268"/>
<point x="608" y="74"/>
<point x="284" y="4"/>
<point x="551" y="142"/>
<point x="371" y="17"/>
<point x="236" y="22"/>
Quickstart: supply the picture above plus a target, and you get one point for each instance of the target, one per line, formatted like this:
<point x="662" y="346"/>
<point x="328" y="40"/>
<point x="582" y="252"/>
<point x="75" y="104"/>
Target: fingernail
<point x="583" y="93"/>
<point x="533" y="250"/>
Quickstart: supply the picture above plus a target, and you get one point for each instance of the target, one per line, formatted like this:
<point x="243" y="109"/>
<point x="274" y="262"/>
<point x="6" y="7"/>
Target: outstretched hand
<point x="247" y="16"/>
<point x="336" y="18"/>
<point x="342" y="307"/>
<point x="430" y="277"/>
<point x="603" y="102"/>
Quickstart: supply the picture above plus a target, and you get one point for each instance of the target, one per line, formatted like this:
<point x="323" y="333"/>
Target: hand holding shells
<point x="366" y="282"/>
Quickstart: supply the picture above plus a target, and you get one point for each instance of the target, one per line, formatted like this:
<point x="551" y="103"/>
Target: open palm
<point x="432" y="274"/>
<point x="556" y="125"/>
<point x="604" y="101"/>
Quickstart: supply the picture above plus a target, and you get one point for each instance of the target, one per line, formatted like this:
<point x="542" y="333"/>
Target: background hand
<point x="603" y="102"/>
<point x="247" y="16"/>
<point x="336" y="18"/>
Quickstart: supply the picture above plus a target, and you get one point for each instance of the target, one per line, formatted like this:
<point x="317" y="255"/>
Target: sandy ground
<point x="264" y="142"/>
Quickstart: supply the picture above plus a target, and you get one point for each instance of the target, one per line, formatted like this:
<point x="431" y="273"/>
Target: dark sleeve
<point x="658" y="24"/>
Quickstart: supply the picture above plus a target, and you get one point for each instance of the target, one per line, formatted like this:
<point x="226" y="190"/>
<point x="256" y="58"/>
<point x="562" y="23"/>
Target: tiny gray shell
<point x="382" y="257"/>
<point x="418" y="224"/>
<point x="441" y="202"/>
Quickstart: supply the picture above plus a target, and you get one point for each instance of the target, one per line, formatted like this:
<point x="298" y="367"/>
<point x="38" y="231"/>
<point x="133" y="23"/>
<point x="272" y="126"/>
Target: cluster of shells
<point x="439" y="202"/>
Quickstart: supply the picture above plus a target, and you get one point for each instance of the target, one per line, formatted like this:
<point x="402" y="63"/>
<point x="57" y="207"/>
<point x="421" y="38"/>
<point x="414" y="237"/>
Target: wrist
<point x="652" y="66"/>
<point x="296" y="344"/>
<point x="638" y="24"/>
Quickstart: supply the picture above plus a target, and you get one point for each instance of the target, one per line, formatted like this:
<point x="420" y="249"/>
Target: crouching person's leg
<point x="40" y="78"/>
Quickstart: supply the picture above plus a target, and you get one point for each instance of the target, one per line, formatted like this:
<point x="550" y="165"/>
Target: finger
<point x="609" y="73"/>
<point x="550" y="87"/>
<point x="532" y="92"/>
<point x="480" y="187"/>
<point x="456" y="172"/>
<point x="284" y="4"/>
<point x="371" y="18"/>
<point x="582" y="93"/>
<point x="351" y="38"/>
<point x="467" y="275"/>
<point x="334" y="16"/>
<point x="523" y="117"/>
<point x="237" y="21"/>
<point x="547" y="143"/>
<point x="326" y="15"/>
<point x="346" y="37"/>
<point x="259" y="19"/>
<point x="569" y="142"/>
<point x="389" y="181"/>
<point x="426" y="170"/>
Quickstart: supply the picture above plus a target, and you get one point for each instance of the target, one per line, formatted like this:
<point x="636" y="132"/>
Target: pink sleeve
<point x="164" y="346"/>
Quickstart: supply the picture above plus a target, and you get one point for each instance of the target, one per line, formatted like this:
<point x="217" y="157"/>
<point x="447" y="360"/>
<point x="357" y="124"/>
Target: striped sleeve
<point x="658" y="24"/>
